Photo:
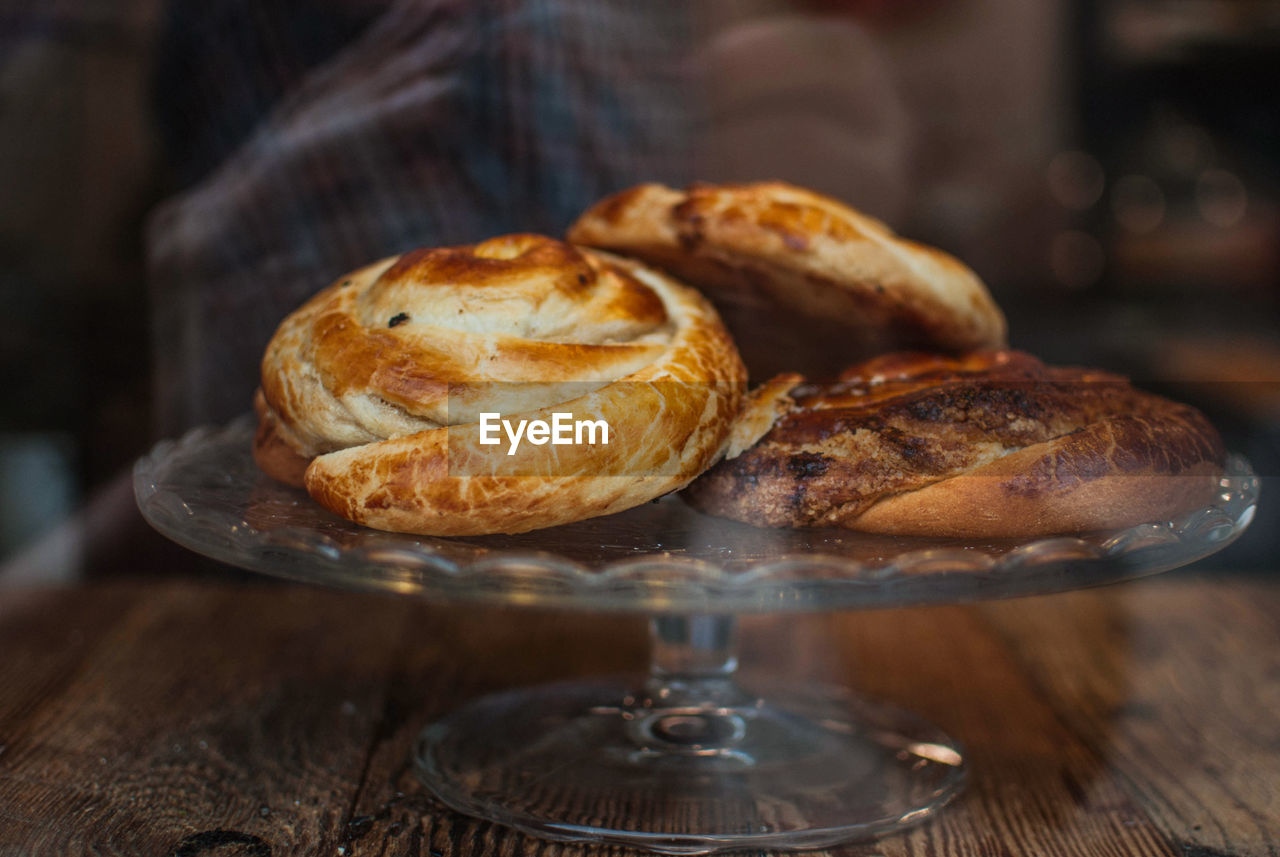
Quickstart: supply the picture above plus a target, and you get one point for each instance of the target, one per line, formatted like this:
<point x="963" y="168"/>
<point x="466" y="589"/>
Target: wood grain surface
<point x="180" y="717"/>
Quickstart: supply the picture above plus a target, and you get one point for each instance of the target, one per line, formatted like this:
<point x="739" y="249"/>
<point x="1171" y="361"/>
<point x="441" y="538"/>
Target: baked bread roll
<point x="990" y="444"/>
<point x="373" y="391"/>
<point x="777" y="258"/>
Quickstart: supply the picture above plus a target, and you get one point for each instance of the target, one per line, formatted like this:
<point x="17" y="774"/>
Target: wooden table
<point x="180" y="717"/>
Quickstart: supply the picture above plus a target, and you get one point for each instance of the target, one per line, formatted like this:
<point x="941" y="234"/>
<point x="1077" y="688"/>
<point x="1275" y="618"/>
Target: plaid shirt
<point x="444" y="122"/>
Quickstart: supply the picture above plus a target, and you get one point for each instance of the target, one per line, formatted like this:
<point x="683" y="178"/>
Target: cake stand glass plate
<point x="684" y="760"/>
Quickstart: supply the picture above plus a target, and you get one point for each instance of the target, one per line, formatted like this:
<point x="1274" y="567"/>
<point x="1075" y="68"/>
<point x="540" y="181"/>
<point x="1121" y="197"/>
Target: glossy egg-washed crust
<point x="774" y="244"/>
<point x="989" y="444"/>
<point x="371" y="390"/>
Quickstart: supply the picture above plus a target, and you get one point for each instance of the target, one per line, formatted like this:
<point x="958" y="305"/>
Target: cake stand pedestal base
<point x="687" y="762"/>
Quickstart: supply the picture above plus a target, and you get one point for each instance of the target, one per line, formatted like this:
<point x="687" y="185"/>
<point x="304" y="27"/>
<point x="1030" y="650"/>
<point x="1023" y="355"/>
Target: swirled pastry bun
<point x="778" y="259"/>
<point x="373" y="391"/>
<point x="990" y="444"/>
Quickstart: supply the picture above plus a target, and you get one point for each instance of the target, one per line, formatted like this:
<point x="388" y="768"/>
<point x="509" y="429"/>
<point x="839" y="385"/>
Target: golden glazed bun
<point x="990" y="444"/>
<point x="779" y="259"/>
<point x="372" y="390"/>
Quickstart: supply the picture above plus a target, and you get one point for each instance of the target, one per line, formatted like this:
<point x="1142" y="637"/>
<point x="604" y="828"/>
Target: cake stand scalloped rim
<point x="668" y="582"/>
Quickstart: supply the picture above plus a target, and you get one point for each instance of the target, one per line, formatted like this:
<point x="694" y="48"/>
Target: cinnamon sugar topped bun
<point x="984" y="445"/>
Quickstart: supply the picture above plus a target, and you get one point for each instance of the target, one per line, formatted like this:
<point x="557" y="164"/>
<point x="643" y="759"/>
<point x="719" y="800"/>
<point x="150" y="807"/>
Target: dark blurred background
<point x="1112" y="169"/>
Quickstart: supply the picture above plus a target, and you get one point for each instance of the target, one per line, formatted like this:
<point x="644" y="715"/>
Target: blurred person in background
<point x="446" y="122"/>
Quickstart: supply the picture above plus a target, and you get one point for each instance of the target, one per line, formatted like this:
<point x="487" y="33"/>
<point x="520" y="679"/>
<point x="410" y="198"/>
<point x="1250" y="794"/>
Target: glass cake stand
<point x="685" y="760"/>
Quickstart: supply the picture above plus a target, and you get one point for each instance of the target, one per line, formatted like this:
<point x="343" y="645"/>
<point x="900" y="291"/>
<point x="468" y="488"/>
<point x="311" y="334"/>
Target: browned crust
<point x="384" y="407"/>
<point x="271" y="453"/>
<point x="761" y="409"/>
<point x="993" y="444"/>
<point x="774" y="244"/>
<point x="1063" y="489"/>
